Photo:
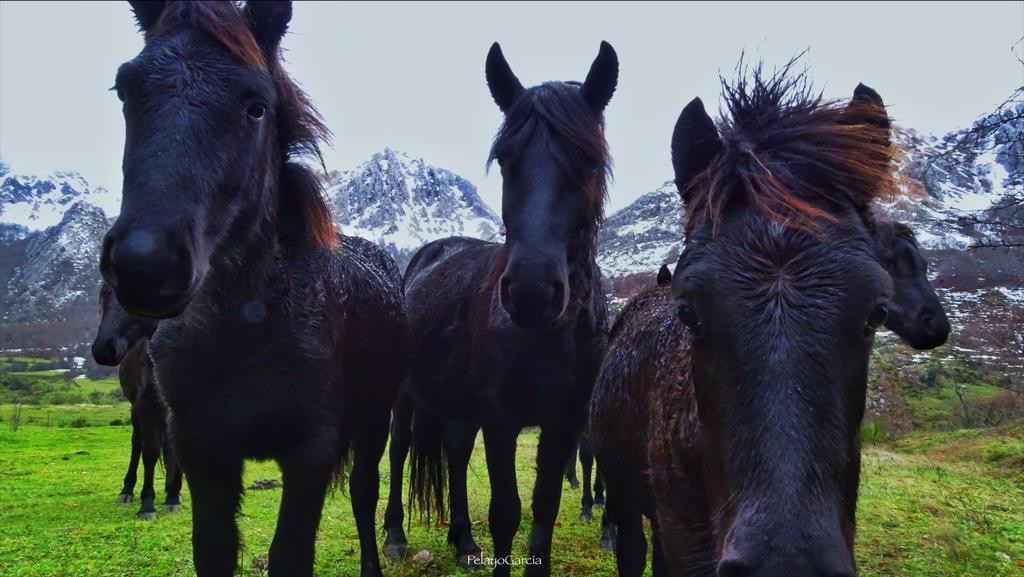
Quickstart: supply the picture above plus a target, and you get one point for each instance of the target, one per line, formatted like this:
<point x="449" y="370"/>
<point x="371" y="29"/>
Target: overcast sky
<point x="410" y="76"/>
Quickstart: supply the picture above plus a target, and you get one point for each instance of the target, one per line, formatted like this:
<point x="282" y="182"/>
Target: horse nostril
<point x="558" y="293"/>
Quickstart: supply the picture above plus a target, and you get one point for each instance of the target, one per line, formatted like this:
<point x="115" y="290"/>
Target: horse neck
<point x="583" y="270"/>
<point x="249" y="258"/>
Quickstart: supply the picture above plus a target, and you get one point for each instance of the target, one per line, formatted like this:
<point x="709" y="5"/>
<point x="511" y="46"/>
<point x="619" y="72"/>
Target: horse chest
<point x="540" y="379"/>
<point x="255" y="395"/>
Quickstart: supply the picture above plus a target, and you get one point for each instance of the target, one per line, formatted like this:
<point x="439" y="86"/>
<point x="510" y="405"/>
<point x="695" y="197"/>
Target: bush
<point x="79" y="423"/>
<point x="872" y="432"/>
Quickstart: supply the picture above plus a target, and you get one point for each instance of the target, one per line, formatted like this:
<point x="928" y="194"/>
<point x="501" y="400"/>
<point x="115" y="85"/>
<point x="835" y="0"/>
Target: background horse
<point x="282" y="341"/>
<point x="915" y="313"/>
<point x="741" y="386"/>
<point x="511" y="335"/>
<point x="122" y="339"/>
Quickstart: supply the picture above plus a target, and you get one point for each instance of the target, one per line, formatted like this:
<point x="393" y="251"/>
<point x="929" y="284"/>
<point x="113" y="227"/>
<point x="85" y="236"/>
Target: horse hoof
<point x="172" y="507"/>
<point x="574" y="485"/>
<point x="395" y="551"/>
<point x="586" y="517"/>
<point x="125" y="498"/>
<point x="608" y="543"/>
<point x="599" y="502"/>
<point x="146" y="515"/>
<point x="470" y="561"/>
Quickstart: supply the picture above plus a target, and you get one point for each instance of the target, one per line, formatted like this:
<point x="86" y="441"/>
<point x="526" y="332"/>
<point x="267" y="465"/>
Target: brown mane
<point x="573" y="134"/>
<point x="786" y="148"/>
<point x="300" y="128"/>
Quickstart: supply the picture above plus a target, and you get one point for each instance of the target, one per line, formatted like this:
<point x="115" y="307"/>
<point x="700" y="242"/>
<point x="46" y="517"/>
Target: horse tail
<point x="428" y="465"/>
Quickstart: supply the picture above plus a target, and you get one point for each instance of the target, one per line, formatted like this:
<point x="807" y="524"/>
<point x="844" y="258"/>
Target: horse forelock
<point x="785" y="150"/>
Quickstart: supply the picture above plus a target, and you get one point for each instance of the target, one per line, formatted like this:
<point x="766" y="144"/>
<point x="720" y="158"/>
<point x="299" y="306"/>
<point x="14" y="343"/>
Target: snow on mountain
<point x="402" y="203"/>
<point x="941" y="182"/>
<point x="33" y="203"/>
<point x="964" y="174"/>
<point x="59" y="268"/>
<point x="642" y="236"/>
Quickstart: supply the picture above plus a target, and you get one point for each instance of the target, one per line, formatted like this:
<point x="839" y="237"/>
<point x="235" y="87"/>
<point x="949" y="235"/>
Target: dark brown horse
<point x="739" y="389"/>
<point x="122" y="340"/>
<point x="282" y="340"/>
<point x="509" y="335"/>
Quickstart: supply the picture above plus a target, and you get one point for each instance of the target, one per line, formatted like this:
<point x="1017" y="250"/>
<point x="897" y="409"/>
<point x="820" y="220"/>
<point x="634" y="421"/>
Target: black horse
<point x="593" y="494"/>
<point x="915" y="313"/>
<point x="122" y="339"/>
<point x="282" y="340"/>
<point x="740" y="387"/>
<point x="511" y="335"/>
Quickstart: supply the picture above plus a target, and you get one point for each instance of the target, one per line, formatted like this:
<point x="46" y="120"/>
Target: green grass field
<point x="932" y="505"/>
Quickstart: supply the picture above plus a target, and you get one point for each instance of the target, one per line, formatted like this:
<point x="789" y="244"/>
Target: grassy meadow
<point x="933" y="504"/>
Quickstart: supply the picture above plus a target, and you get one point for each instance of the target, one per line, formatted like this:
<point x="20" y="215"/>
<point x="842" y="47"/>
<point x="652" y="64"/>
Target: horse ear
<point x="504" y="85"/>
<point x="694" y="143"/>
<point x="147" y="13"/>
<point x="268" y="20"/>
<point x="866" y="107"/>
<point x="602" y="79"/>
<point x="664" y="275"/>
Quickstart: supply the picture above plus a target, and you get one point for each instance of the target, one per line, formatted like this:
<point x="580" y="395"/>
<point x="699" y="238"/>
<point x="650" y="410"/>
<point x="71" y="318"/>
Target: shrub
<point x="79" y="423"/>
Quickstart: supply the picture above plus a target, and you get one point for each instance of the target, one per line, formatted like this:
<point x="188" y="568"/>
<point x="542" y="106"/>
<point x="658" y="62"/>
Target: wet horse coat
<point x="509" y="335"/>
<point x="281" y="340"/>
<point x="729" y="403"/>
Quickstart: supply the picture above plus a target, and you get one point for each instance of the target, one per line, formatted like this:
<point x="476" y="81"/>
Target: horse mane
<point x="572" y="133"/>
<point x="785" y="149"/>
<point x="300" y="128"/>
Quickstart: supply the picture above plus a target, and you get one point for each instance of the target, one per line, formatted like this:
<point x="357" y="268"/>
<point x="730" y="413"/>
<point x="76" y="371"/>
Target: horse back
<point x="643" y="409"/>
<point x="376" y="334"/>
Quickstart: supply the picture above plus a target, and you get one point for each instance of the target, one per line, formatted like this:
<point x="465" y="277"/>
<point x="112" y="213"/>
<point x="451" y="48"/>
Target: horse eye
<point x="256" y="111"/>
<point x="877" y="317"/>
<point x="688" y="317"/>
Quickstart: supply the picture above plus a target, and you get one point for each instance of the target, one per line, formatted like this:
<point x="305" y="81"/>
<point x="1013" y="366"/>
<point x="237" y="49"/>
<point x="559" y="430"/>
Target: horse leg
<point x="172" y="482"/>
<point x="587" y="461"/>
<point x="608" y="531"/>
<point x="598" y="484"/>
<point x="553" y="450"/>
<point x="459" y="439"/>
<point x="630" y="543"/>
<point x="658" y="567"/>
<point x="131" y="477"/>
<point x="395" y="543"/>
<point x="570" y="471"/>
<point x="364" y="487"/>
<point x="215" y="486"/>
<point x="151" y="446"/>
<point x="305" y="476"/>
<point x="505" y="511"/>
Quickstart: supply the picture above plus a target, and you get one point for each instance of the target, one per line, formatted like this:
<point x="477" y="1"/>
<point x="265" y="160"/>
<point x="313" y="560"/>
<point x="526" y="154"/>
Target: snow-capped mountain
<point x="49" y="274"/>
<point x="402" y="203"/>
<point x="642" y="236"/>
<point x="59" y="268"/>
<point x="946" y="182"/>
<point x="942" y="181"/>
<point x="33" y="203"/>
